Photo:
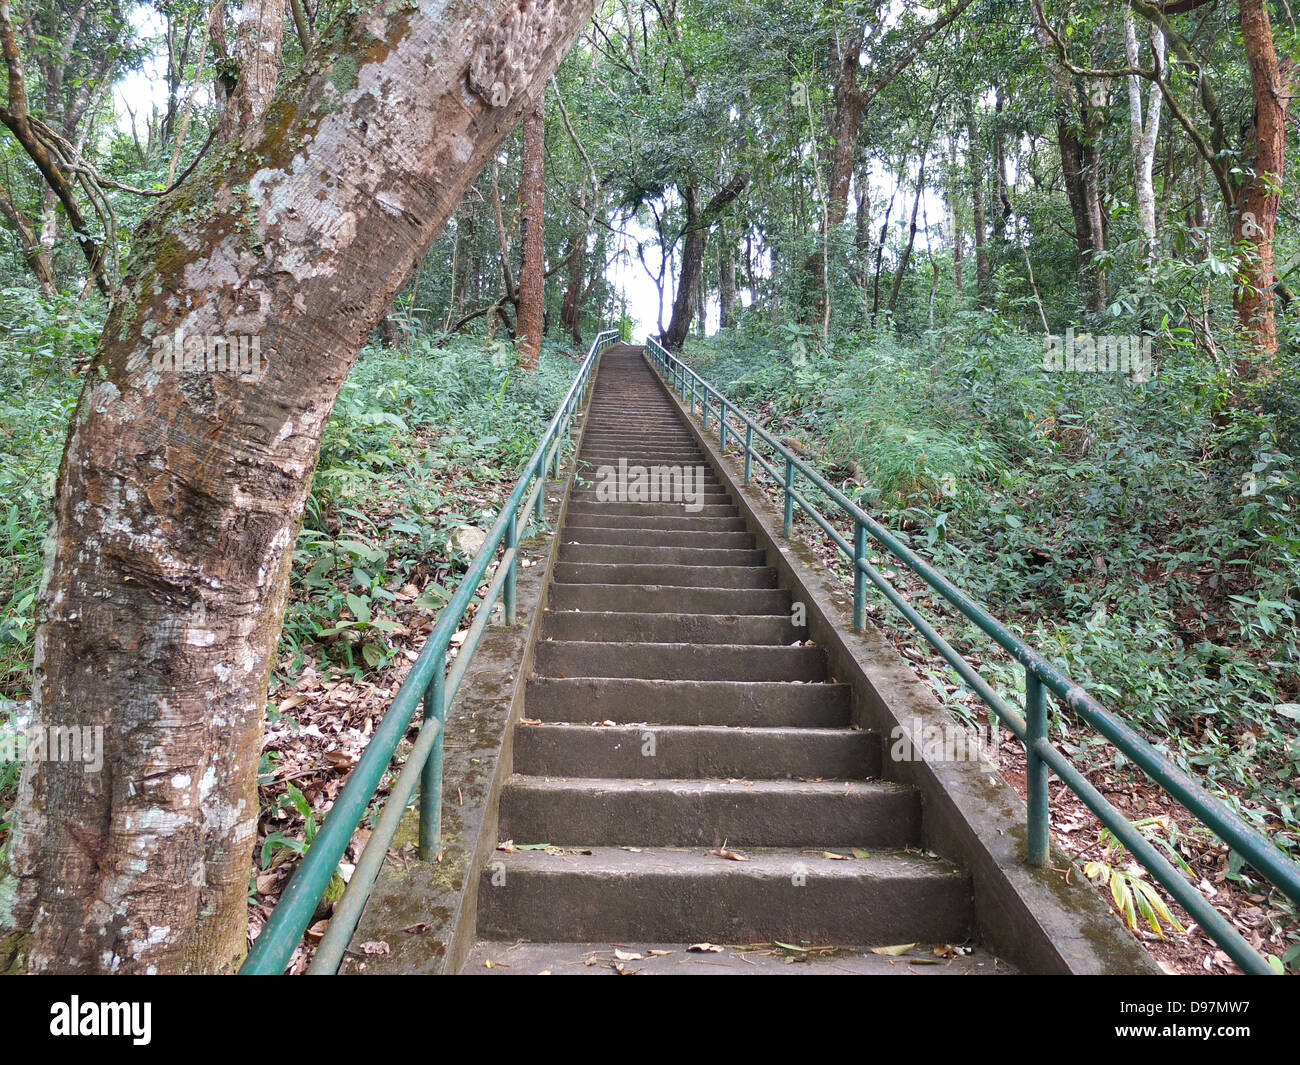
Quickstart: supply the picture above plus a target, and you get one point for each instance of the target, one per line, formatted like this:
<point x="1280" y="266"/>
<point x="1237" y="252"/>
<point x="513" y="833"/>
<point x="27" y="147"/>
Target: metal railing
<point x="1041" y="677"/>
<point x="431" y="681"/>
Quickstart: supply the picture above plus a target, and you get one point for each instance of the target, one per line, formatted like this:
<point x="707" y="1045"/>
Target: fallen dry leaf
<point x="704" y="948"/>
<point x="893" y="952"/>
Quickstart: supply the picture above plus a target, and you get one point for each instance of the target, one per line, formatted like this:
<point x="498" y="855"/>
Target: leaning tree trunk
<point x="180" y="493"/>
<point x="35" y="254"/>
<point x="698" y="224"/>
<point x="532" y="274"/>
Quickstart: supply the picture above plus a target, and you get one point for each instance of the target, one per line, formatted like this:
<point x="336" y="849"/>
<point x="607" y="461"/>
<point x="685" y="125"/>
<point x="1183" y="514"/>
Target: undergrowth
<point x="1141" y="535"/>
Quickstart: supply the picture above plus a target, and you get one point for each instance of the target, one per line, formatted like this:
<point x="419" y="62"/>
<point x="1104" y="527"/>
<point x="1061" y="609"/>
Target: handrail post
<point x="435" y="710"/>
<point x="508" y="591"/>
<point x="749" y="452"/>
<point x="722" y="426"/>
<point x="1038" y="839"/>
<point x="859" y="577"/>
<point x="705" y="424"/>
<point x="539" y="508"/>
<point x="789" y="494"/>
<point x="692" y="397"/>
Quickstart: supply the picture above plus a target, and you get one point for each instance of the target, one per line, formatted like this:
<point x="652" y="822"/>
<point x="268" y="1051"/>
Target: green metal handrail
<point x="1041" y="677"/>
<point x="429" y="680"/>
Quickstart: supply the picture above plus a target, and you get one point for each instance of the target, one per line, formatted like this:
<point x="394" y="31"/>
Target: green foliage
<point x="1133" y="895"/>
<point x="1141" y="534"/>
<point x="424" y="441"/>
<point x="40" y="341"/>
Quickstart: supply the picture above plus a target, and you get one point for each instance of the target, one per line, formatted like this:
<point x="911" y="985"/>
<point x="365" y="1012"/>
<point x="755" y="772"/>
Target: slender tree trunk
<point x="911" y="239"/>
<point x="1002" y="212"/>
<point x="1144" y="131"/>
<point x="570" y="308"/>
<point x="1096" y="215"/>
<point x="532" y="274"/>
<point x="180" y="493"/>
<point x="701" y="307"/>
<point x="1072" y="168"/>
<point x="726" y="284"/>
<point x="35" y="254"/>
<point x="850" y="105"/>
<point x="975" y="165"/>
<point x="880" y="247"/>
<point x="1259" y="195"/>
<point x="954" y="213"/>
<point x="773" y="290"/>
<point x="862" y="228"/>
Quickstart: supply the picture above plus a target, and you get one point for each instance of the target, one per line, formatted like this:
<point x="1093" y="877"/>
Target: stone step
<point x="662" y="510"/>
<point x="666" y="576"/>
<point x="611" y="554"/>
<point x="631" y="536"/>
<point x="603" y="518"/>
<point x="632" y="700"/>
<point x="671" y="599"/>
<point x="629" y="627"/>
<point x="696" y="751"/>
<point x="786" y="894"/>
<point x="518" y="958"/>
<point x="653" y="812"/>
<point x="678" y="661"/>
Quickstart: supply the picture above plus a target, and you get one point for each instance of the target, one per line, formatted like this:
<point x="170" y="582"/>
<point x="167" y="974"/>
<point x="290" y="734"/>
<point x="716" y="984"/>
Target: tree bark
<point x="532" y="273"/>
<point x="1259" y="196"/>
<point x="259" y="32"/>
<point x="1144" y="130"/>
<point x="862" y="228"/>
<point x="726" y="284"/>
<point x="180" y="493"/>
<point x="1002" y="213"/>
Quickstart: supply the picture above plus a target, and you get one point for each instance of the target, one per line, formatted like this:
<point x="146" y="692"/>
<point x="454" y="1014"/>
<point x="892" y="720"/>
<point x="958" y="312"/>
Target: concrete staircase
<point x="675" y="723"/>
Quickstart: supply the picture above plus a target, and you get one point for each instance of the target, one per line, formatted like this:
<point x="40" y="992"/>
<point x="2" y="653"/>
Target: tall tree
<point x="532" y="274"/>
<point x="975" y="164"/>
<point x="699" y="221"/>
<point x="1260" y="193"/>
<point x="180" y="493"/>
<point x="852" y="98"/>
<point x="1144" y="129"/>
